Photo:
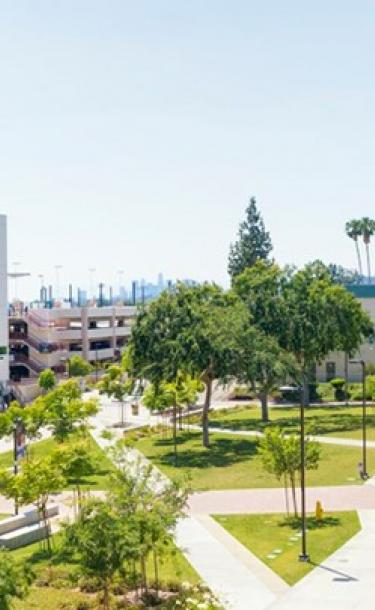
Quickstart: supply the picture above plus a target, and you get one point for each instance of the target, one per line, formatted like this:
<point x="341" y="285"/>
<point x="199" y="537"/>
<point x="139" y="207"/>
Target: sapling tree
<point x="76" y="462"/>
<point x="66" y="411"/>
<point x="281" y="456"/>
<point x="102" y="543"/>
<point x="34" y="484"/>
<point x="47" y="380"/>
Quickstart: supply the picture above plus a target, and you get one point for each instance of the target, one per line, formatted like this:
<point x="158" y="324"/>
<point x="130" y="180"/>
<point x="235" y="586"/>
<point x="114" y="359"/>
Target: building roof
<point x="362" y="291"/>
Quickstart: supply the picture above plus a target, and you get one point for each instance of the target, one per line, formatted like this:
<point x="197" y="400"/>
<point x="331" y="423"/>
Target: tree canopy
<point x="253" y="243"/>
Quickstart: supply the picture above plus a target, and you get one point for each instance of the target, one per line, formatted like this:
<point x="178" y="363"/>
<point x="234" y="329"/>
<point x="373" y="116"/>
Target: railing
<point x="32" y="365"/>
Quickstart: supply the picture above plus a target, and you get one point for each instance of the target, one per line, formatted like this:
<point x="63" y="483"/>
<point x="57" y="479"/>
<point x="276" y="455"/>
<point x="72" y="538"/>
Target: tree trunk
<point x="175" y="433"/>
<point x="46" y="524"/>
<point x="206" y="408"/>
<point x="264" y="405"/>
<point x="286" y="494"/>
<point x="368" y="263"/>
<point x="346" y="379"/>
<point x="305" y="389"/>
<point x="359" y="258"/>
<point x="144" y="574"/>
<point x="156" y="572"/>
<point x="106" y="597"/>
<point x="293" y="485"/>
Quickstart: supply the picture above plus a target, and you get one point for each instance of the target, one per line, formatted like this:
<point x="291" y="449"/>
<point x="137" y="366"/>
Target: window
<point x="330" y="370"/>
<point x="3" y="350"/>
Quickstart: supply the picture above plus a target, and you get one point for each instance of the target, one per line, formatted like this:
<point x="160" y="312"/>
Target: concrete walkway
<point x="345" y="581"/>
<point x="236" y="584"/>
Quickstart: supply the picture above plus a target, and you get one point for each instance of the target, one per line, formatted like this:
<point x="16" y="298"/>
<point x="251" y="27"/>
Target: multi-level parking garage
<point x="47" y="338"/>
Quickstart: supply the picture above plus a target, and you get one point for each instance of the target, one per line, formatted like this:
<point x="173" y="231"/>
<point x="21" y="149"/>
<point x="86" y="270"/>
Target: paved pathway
<point x="327" y="440"/>
<point x="345" y="581"/>
<point x="349" y="497"/>
<point x="236" y="584"/>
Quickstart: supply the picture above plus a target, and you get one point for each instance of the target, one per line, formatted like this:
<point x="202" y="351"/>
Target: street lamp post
<point x="304" y="556"/>
<point x="16" y="431"/>
<point x="364" y="473"/>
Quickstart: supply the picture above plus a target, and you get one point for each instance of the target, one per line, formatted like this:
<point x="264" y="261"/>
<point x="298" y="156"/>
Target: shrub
<point x="338" y="384"/>
<point x="325" y="392"/>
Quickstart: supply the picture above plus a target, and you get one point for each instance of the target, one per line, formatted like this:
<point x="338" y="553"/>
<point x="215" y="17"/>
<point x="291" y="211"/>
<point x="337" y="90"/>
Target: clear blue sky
<point x="133" y="133"/>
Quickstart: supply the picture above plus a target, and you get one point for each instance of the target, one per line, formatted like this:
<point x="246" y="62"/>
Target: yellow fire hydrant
<point x="319" y="512"/>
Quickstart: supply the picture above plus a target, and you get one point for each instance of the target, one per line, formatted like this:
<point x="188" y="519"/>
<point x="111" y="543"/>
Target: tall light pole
<point x="304" y="556"/>
<point x="364" y="473"/>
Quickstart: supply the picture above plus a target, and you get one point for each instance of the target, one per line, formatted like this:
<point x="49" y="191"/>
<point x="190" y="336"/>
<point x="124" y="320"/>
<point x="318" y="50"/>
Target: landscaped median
<point x="99" y="479"/>
<point x="276" y="540"/>
<point x="56" y="583"/>
<point x="232" y="461"/>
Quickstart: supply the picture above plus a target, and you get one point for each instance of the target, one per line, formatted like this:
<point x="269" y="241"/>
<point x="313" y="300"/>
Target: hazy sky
<point x="132" y="133"/>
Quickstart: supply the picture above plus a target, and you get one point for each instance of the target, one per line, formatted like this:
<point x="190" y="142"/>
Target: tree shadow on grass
<point x="222" y="452"/>
<point x="311" y="523"/>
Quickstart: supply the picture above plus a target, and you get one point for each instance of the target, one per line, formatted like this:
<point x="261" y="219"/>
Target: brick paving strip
<point x="348" y="497"/>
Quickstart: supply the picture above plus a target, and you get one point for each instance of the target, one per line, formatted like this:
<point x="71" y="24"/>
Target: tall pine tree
<point x="253" y="242"/>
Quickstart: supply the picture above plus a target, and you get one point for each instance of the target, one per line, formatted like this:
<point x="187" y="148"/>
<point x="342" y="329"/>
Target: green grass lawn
<point x="99" y="480"/>
<point x="333" y="421"/>
<point x="275" y="540"/>
<point x="174" y="570"/>
<point x="232" y="462"/>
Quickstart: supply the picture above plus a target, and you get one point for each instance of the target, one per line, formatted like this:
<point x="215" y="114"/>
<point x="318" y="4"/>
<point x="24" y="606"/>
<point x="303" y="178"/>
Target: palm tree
<point x="353" y="230"/>
<point x="367" y="230"/>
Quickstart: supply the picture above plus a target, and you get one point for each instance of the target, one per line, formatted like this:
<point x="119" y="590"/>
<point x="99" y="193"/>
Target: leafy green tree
<point x="15" y="579"/>
<point x="192" y="330"/>
<point x="353" y="229"/>
<point x="113" y="385"/>
<point x="32" y="417"/>
<point x="176" y="395"/>
<point x="78" y="366"/>
<point x="341" y="275"/>
<point x="151" y="505"/>
<point x="305" y="311"/>
<point x="76" y="462"/>
<point x="253" y="242"/>
<point x="34" y="484"/>
<point x="281" y="456"/>
<point x="102" y="543"/>
<point x="265" y="365"/>
<point x="322" y="317"/>
<point x="261" y="287"/>
<point x="47" y="380"/>
<point x="66" y="411"/>
<point x="5" y="424"/>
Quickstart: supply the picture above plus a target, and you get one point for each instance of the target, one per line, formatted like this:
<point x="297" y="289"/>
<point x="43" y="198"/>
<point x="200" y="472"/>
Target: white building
<point x="4" y="360"/>
<point x="334" y="365"/>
